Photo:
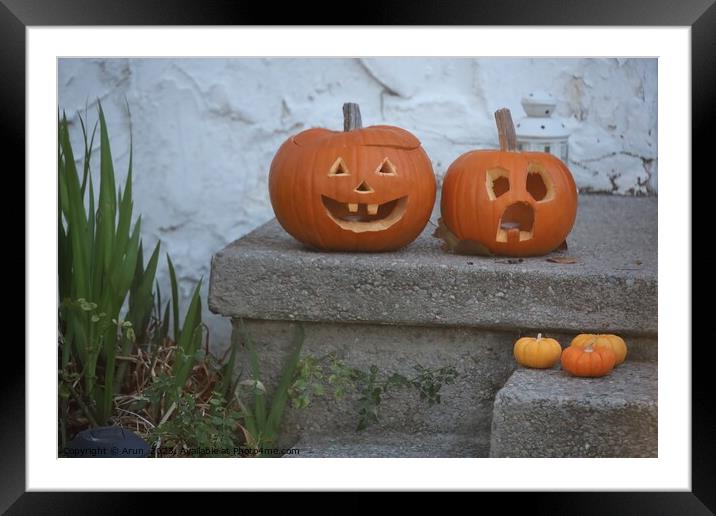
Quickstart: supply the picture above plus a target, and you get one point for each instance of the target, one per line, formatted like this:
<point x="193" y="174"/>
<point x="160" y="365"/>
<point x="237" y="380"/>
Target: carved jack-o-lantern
<point x="513" y="203"/>
<point x="368" y="189"/>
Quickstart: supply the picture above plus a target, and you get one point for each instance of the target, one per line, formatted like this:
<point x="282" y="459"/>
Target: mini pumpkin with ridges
<point x="588" y="361"/>
<point x="538" y="353"/>
<point x="614" y="342"/>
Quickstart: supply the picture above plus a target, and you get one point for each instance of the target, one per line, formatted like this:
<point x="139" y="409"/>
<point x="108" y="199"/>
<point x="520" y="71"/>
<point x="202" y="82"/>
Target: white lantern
<point x="538" y="131"/>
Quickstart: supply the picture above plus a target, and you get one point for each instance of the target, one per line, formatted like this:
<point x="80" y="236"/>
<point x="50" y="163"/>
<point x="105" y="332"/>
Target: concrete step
<point x="483" y="361"/>
<point x="423" y="306"/>
<point x="392" y="445"/>
<point x="553" y="414"/>
<point x="613" y="286"/>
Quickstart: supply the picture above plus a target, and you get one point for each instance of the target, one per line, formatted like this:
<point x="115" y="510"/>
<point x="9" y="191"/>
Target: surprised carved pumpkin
<point x="513" y="203"/>
<point x="362" y="189"/>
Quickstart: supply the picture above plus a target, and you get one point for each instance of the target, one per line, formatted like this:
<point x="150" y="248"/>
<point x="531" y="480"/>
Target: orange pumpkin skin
<point x="473" y="201"/>
<point x="614" y="342"/>
<point x="538" y="353"/>
<point x="380" y="165"/>
<point x="588" y="361"/>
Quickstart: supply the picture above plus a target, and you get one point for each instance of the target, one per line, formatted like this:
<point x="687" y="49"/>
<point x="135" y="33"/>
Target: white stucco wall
<point x="205" y="130"/>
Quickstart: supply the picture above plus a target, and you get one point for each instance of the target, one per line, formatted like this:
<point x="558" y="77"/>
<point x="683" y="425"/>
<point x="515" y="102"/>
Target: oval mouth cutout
<point x="516" y="223"/>
<point x="361" y="217"/>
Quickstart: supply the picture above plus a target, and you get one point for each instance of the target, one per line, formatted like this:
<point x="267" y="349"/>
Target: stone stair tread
<point x="630" y="382"/>
<point x="390" y="445"/>
<point x="421" y="305"/>
<point x="549" y="413"/>
<point x="613" y="285"/>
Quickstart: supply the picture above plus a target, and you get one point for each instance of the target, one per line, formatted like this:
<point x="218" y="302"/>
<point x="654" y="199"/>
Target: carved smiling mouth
<point x="361" y="217"/>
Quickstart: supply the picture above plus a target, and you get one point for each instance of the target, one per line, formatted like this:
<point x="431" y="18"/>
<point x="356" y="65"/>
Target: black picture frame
<point x="700" y="15"/>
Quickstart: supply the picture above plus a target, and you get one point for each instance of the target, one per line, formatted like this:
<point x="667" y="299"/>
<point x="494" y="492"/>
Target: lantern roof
<point x="539" y="124"/>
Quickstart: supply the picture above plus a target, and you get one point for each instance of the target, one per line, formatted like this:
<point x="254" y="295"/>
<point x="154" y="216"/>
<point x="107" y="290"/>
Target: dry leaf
<point x="452" y="244"/>
<point x="564" y="260"/>
<point x="562" y="246"/>
<point x="449" y="239"/>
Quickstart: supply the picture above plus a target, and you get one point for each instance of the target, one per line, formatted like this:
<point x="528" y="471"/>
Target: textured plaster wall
<point x="205" y="130"/>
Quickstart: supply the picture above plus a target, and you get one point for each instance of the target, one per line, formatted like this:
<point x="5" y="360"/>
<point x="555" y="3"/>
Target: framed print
<point x="436" y="242"/>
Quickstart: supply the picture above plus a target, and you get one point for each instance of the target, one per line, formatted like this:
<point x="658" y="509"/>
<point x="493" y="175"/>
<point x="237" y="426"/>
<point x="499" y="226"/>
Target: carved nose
<point x="363" y="188"/>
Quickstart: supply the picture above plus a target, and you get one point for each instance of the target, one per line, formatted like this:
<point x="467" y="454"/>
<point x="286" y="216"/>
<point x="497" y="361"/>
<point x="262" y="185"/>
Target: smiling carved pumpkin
<point x="513" y="203"/>
<point x="361" y="189"/>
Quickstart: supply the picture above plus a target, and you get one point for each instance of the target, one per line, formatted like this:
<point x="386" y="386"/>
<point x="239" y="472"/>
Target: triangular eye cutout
<point x="387" y="168"/>
<point x="339" y="168"/>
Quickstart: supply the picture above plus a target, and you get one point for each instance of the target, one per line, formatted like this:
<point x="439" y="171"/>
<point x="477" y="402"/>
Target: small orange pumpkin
<point x="360" y="189"/>
<point x="588" y="361"/>
<point x="539" y="353"/>
<point x="614" y="342"/>
<point x="513" y="203"/>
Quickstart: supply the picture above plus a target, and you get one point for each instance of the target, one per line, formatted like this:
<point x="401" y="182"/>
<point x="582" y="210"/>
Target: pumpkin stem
<point x="505" y="130"/>
<point x="351" y="117"/>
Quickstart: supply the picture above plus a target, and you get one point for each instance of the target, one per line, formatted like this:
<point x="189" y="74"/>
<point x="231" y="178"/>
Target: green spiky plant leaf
<point x="98" y="253"/>
<point x="263" y="416"/>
